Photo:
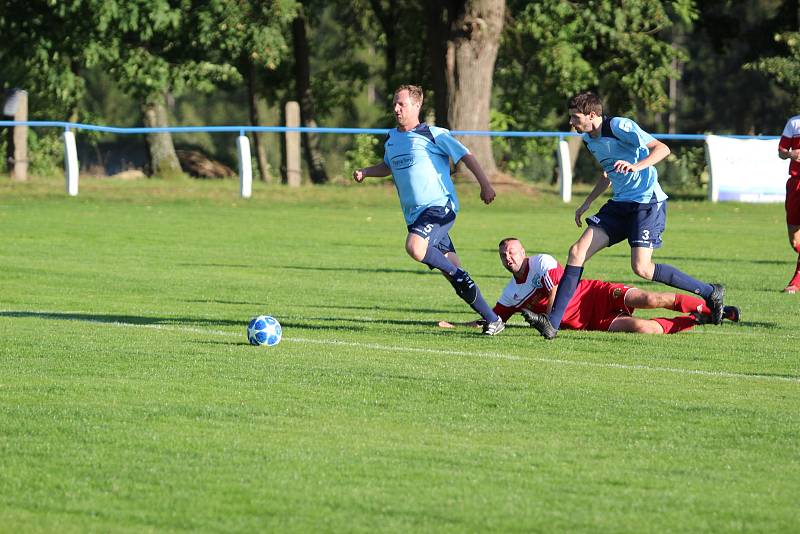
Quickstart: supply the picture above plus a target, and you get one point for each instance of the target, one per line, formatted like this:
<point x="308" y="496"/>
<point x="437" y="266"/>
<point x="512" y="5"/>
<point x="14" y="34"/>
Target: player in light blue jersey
<point x="637" y="210"/>
<point x="418" y="158"/>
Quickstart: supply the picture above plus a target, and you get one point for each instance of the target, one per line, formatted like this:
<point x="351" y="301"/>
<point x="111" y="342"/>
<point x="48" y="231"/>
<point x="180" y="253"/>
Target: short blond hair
<point x="414" y="91"/>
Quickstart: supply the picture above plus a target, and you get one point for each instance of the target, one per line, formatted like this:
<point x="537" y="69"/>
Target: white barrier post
<point x="564" y="170"/>
<point x="713" y="186"/>
<point x="71" y="163"/>
<point x="245" y="166"/>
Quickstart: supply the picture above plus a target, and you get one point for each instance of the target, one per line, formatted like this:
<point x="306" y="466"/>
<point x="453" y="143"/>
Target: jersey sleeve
<point x="629" y="132"/>
<point x="548" y="268"/>
<point x="449" y="144"/>
<point x="552" y="277"/>
<point x="790" y="133"/>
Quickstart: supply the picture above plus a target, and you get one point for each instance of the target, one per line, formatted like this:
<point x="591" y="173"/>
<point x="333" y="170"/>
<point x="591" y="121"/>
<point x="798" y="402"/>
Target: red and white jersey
<point x="594" y="305"/>
<point x="534" y="292"/>
<point x="790" y="140"/>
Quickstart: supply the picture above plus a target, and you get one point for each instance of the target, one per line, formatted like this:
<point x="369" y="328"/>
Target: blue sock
<point x="434" y="258"/>
<point x="566" y="288"/>
<point x="472" y="295"/>
<point x="483" y="308"/>
<point x="667" y="274"/>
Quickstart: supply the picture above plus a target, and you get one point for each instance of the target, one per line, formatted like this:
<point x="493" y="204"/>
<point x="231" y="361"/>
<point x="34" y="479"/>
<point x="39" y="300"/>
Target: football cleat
<point x="714" y="302"/>
<point x="494" y="328"/>
<point x="541" y="322"/>
<point x="730" y="313"/>
<point x="790" y="289"/>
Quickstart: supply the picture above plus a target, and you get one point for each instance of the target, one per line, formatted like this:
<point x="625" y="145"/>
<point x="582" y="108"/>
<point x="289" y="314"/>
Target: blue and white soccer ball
<point x="264" y="330"/>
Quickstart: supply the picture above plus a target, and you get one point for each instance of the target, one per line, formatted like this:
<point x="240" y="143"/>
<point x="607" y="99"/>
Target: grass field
<point x="131" y="401"/>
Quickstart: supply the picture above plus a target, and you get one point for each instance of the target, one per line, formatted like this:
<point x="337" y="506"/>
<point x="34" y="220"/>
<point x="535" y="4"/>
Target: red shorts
<point x="793" y="201"/>
<point x="597" y="307"/>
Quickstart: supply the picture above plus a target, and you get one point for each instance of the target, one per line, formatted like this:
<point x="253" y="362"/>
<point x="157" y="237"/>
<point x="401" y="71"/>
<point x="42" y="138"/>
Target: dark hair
<point x="414" y="91"/>
<point x="586" y="103"/>
<point x="506" y="240"/>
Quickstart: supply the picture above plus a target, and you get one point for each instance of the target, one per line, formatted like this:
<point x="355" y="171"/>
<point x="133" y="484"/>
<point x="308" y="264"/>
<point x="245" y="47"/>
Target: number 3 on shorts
<point x="645" y="235"/>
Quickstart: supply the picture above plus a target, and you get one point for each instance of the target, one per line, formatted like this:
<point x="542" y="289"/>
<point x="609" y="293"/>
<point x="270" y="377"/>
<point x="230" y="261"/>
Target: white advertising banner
<point x="745" y="170"/>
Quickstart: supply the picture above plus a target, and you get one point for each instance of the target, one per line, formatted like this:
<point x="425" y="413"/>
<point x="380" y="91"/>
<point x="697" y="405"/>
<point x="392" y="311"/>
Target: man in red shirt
<point x="789" y="148"/>
<point x="597" y="305"/>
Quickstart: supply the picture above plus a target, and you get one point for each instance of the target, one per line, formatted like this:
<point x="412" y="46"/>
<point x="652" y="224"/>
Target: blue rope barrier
<point x="323" y="130"/>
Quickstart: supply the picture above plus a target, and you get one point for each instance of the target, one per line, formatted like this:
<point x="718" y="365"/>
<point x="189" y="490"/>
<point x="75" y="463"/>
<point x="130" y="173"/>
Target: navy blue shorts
<point x="641" y="224"/>
<point x="434" y="224"/>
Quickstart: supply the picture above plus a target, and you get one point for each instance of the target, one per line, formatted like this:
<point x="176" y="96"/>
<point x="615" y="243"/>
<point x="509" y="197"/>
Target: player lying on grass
<point x="597" y="305"/>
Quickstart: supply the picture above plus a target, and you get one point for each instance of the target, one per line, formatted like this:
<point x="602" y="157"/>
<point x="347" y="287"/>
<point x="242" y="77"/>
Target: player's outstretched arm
<point x="602" y="184"/>
<point x="380" y="170"/>
<point x="487" y="191"/>
<point x="658" y="151"/>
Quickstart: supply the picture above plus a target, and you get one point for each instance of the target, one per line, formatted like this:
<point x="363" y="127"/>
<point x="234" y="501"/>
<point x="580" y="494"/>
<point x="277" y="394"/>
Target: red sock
<point x="676" y="324"/>
<point x="795" y="281"/>
<point x="690" y="303"/>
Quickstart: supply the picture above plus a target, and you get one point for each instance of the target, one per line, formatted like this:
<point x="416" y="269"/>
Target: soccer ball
<point x="264" y="330"/>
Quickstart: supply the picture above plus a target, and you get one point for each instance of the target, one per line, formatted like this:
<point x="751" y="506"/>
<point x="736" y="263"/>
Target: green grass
<point x="130" y="400"/>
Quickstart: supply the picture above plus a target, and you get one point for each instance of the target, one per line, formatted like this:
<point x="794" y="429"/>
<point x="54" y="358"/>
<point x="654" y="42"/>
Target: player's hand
<point x="358" y="175"/>
<point x="580" y="211"/>
<point x="624" y="166"/>
<point x="487" y="194"/>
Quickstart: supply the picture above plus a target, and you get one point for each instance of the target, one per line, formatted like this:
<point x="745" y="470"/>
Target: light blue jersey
<point x="623" y="139"/>
<point x="420" y="164"/>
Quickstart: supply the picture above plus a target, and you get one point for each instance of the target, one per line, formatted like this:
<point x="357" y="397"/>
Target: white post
<point x="713" y="186"/>
<point x="245" y="166"/>
<point x="564" y="170"/>
<point x="71" y="163"/>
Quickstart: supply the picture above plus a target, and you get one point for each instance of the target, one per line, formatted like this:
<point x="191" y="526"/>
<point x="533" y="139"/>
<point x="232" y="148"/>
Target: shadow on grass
<point x="410" y="309"/>
<point x="121" y="319"/>
<point x="382" y="270"/>
<point x="137" y="320"/>
<point x="220" y="265"/>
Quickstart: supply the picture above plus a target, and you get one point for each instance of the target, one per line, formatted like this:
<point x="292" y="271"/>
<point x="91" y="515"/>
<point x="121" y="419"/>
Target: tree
<point x="720" y="95"/>
<point x="455" y="62"/>
<point x="44" y="48"/>
<point x="785" y="70"/>
<point x="252" y="37"/>
<point x="472" y="46"/>
<point x="554" y="49"/>
<point x="305" y="97"/>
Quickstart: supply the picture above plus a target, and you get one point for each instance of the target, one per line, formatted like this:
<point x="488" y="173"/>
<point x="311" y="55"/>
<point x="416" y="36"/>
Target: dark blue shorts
<point x="434" y="224"/>
<point x="641" y="224"/>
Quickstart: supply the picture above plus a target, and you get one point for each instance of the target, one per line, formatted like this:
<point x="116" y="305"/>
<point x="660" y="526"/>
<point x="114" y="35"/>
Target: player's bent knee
<point x="416" y="248"/>
<point x="417" y="253"/>
<point x="644" y="271"/>
<point x="577" y="254"/>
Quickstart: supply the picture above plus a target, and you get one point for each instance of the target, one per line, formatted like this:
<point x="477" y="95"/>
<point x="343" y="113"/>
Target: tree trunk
<point x="302" y="72"/>
<point x="163" y="159"/>
<point x="471" y="53"/>
<point x="255" y="120"/>
<point x="439" y="23"/>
